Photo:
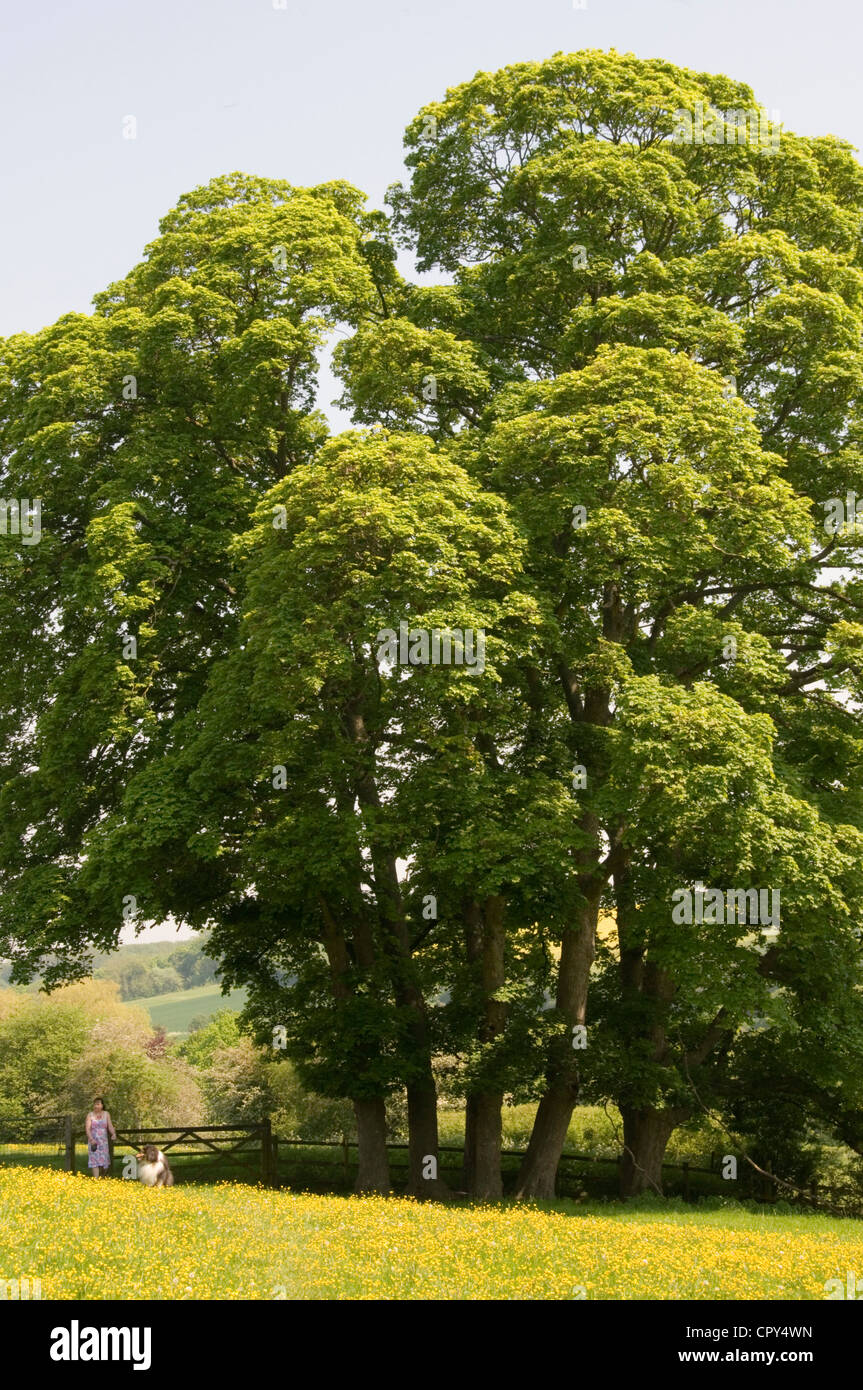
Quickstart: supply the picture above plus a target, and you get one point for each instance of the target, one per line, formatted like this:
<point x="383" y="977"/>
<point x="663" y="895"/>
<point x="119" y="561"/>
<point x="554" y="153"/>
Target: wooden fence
<point x="253" y="1152"/>
<point x="337" y="1170"/>
<point x="248" y="1149"/>
<point x="41" y="1131"/>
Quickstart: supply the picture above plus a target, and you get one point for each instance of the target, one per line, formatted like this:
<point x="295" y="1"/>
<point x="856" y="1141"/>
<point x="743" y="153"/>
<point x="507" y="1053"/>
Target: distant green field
<point x="175" y="1011"/>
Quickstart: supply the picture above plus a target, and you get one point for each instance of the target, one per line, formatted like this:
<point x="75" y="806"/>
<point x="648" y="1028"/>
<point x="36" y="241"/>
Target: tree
<point x="157" y="1045"/>
<point x="290" y="781"/>
<point x="150" y="430"/>
<point x="58" y="1052"/>
<point x="690" y="315"/>
<point x="617" y="444"/>
<point x="138" y="1091"/>
<point x="219" y="1031"/>
<point x="37" y="1047"/>
<point x="236" y="1085"/>
<point x="687" y="991"/>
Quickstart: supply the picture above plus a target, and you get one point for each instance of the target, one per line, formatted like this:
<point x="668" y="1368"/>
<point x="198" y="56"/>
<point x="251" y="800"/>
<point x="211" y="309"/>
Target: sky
<point x="312" y="90"/>
<point x="319" y="89"/>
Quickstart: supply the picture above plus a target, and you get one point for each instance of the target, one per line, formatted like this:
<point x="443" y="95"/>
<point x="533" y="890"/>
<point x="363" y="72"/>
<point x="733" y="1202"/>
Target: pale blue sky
<point x="313" y="92"/>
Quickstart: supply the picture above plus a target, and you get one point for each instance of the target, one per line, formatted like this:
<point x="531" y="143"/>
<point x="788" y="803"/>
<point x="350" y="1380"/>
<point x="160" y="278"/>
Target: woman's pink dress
<point x="101" y="1157"/>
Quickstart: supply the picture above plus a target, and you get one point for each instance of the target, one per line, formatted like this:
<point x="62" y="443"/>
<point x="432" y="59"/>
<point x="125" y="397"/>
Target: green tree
<point x="612" y="444"/>
<point x="236" y="1084"/>
<point x="293" y="775"/>
<point x="686" y="321"/>
<point x="38" y="1045"/>
<point x="680" y="997"/>
<point x="138" y="1091"/>
<point x="220" y="1031"/>
<point x="150" y="430"/>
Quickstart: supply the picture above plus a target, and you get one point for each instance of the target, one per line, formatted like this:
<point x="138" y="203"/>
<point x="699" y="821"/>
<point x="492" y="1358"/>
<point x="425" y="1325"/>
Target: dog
<point x="154" y="1170"/>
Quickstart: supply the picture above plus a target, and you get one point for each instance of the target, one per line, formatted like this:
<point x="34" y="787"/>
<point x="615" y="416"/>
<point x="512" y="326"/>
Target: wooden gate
<point x="196" y="1151"/>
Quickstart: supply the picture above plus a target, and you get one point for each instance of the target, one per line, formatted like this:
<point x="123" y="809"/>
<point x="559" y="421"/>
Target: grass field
<point x="175" y="1011"/>
<point x="87" y="1239"/>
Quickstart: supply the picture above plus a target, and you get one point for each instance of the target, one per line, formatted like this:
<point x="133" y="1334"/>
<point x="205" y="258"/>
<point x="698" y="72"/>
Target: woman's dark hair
<point x="101" y="1098"/>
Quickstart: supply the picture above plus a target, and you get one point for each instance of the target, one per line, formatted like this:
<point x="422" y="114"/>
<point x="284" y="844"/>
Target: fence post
<point x="69" y="1139"/>
<point x="267" y="1153"/>
<point x="685" y="1181"/>
<point x="346" y="1151"/>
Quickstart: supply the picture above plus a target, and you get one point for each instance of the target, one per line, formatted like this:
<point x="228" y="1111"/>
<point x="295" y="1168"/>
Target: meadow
<point x="87" y="1239"/>
<point x="175" y="1011"/>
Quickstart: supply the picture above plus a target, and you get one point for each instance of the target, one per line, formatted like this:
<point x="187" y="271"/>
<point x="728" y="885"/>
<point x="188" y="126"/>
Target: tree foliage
<point x="608" y="445"/>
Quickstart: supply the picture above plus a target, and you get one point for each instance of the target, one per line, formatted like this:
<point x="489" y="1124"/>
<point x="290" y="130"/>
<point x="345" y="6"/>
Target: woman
<point x="98" y="1127"/>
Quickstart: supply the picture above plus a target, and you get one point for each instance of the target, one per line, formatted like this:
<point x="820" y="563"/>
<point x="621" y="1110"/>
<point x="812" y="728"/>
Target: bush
<point x="208" y="1034"/>
<point x="137" y="1090"/>
<point x="39" y="1042"/>
<point x="299" y="1114"/>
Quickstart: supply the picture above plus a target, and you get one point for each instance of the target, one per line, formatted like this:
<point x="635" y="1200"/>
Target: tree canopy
<point x="558" y="630"/>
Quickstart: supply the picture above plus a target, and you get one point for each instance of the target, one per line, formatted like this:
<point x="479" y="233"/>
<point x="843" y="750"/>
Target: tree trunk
<point x="538" y="1174"/>
<point x="486" y="940"/>
<point x="396" y="947"/>
<point x="483" y="1132"/>
<point x="468" y="1167"/>
<point x="424" y="1180"/>
<point x="646" y="1133"/>
<point x="374" y="1166"/>
<point x="373" y="1161"/>
<point x="548" y="1136"/>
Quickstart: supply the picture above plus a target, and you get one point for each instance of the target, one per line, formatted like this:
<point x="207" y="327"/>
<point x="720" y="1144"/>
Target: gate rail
<point x="243" y="1146"/>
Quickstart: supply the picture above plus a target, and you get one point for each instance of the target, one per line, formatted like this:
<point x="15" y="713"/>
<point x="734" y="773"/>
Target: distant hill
<point x="176" y="1011"/>
<point x="144" y="970"/>
<point x="174" y="982"/>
